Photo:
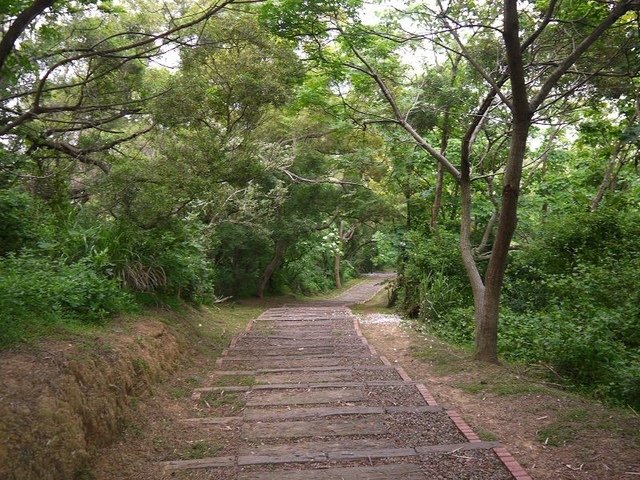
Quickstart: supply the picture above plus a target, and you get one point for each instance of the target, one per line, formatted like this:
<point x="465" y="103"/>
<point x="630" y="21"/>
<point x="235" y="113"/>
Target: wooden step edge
<point x="275" y="358"/>
<point x="259" y="415"/>
<point x="336" y="368"/>
<point x="320" y="456"/>
<point x="319" y="385"/>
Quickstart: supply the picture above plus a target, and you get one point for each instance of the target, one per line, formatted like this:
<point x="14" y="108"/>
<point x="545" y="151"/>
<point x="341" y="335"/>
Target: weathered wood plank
<point x="289" y="386"/>
<point x="298" y="377"/>
<point x="316" y="447"/>
<point x="313" y="428"/>
<point x="295" y="351"/>
<point x="275" y="358"/>
<point x="200" y="463"/>
<point x="253" y="414"/>
<point x="395" y="471"/>
<point x="305" y="398"/>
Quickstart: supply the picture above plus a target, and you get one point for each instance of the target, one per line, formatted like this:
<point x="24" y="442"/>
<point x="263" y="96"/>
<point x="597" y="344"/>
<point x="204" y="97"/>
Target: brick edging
<point x="356" y="326"/>
<point x="512" y="464"/>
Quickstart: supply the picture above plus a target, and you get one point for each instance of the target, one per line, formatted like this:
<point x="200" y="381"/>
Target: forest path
<point x="302" y="395"/>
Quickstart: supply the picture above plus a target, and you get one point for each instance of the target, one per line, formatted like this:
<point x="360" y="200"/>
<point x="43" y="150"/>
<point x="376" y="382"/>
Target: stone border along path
<point x="324" y="405"/>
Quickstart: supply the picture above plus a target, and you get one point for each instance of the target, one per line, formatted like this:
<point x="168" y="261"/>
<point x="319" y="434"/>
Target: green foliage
<point x="240" y="252"/>
<point x="15" y="226"/>
<point x="36" y="293"/>
<point x="433" y="278"/>
<point x="571" y="299"/>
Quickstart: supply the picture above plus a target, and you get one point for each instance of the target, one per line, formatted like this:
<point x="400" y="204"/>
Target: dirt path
<point x="302" y="395"/>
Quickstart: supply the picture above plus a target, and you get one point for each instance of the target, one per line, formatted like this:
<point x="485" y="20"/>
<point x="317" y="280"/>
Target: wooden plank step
<point x="293" y="338"/>
<point x="291" y="386"/>
<point x="339" y="317"/>
<point x="316" y="377"/>
<point x="324" y="455"/>
<point x="306" y="398"/>
<point x="328" y="456"/>
<point x="303" y="369"/>
<point x="303" y="362"/>
<point x="313" y="428"/>
<point x="238" y="358"/>
<point x="304" y="447"/>
<point x="364" y="454"/>
<point x="394" y="471"/>
<point x="268" y="342"/>
<point x="295" y="351"/>
<point x="327" y="324"/>
<point x="256" y="414"/>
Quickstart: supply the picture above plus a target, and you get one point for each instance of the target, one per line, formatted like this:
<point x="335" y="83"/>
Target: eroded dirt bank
<point x="62" y="400"/>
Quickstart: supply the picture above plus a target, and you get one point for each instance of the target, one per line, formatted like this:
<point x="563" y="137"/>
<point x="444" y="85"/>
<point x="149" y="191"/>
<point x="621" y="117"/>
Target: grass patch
<point x="194" y="381"/>
<point x="557" y="434"/>
<point x="231" y="400"/>
<point x="177" y="393"/>
<point x="443" y="360"/>
<point x="500" y="385"/>
<point x="591" y="420"/>
<point x="485" y="435"/>
<point x="235" y="380"/>
<point x="219" y="324"/>
<point x="201" y="449"/>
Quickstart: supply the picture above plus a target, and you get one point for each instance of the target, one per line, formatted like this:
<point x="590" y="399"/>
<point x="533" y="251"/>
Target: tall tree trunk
<point x="278" y="256"/>
<point x="466" y="250"/>
<point x="487" y="319"/>
<point x="444" y="142"/>
<point x="609" y="177"/>
<point x="336" y="256"/>
<point x="616" y="161"/>
<point x="437" y="201"/>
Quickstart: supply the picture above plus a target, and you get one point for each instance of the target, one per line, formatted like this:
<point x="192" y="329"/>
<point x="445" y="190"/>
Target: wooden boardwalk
<point x="305" y="397"/>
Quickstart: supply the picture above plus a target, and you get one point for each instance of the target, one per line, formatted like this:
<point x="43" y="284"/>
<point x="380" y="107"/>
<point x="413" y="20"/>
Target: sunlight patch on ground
<point x="380" y="318"/>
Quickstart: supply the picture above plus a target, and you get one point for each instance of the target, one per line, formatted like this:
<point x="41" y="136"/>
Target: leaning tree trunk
<point x="270" y="269"/>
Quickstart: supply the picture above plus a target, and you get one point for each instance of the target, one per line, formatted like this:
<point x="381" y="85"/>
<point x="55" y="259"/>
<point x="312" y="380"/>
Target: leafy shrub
<point x="571" y="298"/>
<point x="15" y="227"/>
<point x="433" y="277"/>
<point x="308" y="266"/>
<point x="36" y="293"/>
<point x="239" y="255"/>
<point x="169" y="259"/>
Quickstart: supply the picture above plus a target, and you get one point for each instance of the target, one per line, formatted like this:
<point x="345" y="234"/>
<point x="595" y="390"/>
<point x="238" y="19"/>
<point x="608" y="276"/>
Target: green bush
<point x="571" y="298"/>
<point x="239" y="255"/>
<point x="170" y="259"/>
<point x="37" y="293"/>
<point x="433" y="279"/>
